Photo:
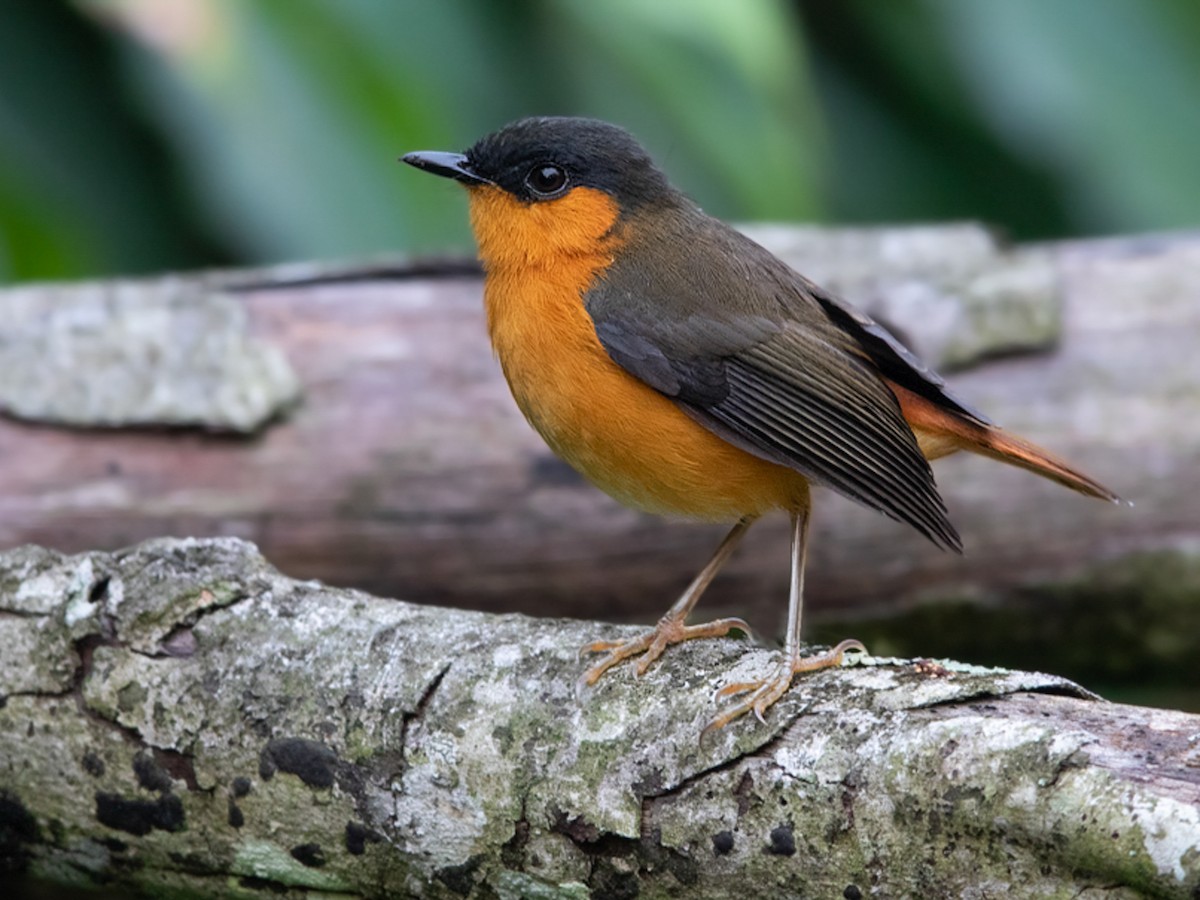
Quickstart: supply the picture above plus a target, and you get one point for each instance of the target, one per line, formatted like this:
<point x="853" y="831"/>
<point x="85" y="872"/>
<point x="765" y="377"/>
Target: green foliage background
<point x="140" y="135"/>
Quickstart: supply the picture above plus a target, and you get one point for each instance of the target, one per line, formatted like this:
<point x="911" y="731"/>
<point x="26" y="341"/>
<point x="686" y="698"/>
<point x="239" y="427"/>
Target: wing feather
<point x="833" y="447"/>
<point x="752" y="351"/>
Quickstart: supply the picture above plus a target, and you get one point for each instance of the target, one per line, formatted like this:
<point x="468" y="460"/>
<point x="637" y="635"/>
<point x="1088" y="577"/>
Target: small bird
<point x="685" y="370"/>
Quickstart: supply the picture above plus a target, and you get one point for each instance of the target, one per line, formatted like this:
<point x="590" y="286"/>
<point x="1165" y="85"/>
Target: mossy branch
<point x="179" y="717"/>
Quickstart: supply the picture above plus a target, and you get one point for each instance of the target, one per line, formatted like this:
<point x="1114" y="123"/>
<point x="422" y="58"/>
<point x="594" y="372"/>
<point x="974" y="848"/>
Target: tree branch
<point x="180" y="716"/>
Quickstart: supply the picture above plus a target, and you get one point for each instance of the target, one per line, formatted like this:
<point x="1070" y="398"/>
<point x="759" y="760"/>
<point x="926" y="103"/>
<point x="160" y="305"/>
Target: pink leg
<point x="762" y="694"/>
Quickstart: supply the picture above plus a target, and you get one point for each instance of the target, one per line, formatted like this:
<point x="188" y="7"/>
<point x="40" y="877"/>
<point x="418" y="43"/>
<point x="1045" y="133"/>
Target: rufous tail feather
<point x="940" y="431"/>
<point x="1000" y="444"/>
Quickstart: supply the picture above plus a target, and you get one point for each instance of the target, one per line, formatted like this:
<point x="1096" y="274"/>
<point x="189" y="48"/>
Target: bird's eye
<point x="546" y="179"/>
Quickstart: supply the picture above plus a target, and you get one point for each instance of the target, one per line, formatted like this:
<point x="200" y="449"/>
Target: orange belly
<point x="624" y="437"/>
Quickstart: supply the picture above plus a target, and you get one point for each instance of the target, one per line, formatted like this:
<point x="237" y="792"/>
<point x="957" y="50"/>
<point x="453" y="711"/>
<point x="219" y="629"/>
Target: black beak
<point x="448" y="165"/>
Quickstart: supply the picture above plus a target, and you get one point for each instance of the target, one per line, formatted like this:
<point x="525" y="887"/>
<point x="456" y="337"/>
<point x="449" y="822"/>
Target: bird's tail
<point x="940" y="432"/>
<point x="1000" y="444"/>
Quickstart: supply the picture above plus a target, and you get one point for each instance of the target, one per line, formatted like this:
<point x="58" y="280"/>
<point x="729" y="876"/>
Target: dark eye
<point x="546" y="179"/>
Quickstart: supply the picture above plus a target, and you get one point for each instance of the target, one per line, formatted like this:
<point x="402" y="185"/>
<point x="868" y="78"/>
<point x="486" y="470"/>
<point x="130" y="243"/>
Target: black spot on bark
<point x="236" y="817"/>
<point x="99" y="591"/>
<point x="311" y="761"/>
<point x="357" y="836"/>
<point x="783" y="841"/>
<point x="139" y="817"/>
<point x="852" y="892"/>
<point x="150" y="775"/>
<point x="310" y="855"/>
<point x="18" y="827"/>
<point x="93" y="764"/>
<point x="241" y="786"/>
<point x="722" y="842"/>
<point x="460" y="879"/>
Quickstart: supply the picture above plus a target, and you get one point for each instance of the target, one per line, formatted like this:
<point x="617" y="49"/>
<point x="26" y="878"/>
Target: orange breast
<point x="625" y="437"/>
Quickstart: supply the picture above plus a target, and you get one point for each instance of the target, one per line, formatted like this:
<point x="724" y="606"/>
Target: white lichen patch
<point x="80" y="607"/>
<point x="439" y="819"/>
<point x="38" y="594"/>
<point x="808" y="760"/>
<point x="506" y="656"/>
<point x="1175" y="834"/>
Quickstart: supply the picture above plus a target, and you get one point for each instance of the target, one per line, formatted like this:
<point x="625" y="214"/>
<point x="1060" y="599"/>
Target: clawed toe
<point x="670" y="630"/>
<point x="615" y="652"/>
<point x="830" y="658"/>
<point x="765" y="693"/>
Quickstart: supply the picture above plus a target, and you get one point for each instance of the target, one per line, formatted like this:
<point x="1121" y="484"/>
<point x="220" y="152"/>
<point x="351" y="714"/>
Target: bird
<point x="687" y="371"/>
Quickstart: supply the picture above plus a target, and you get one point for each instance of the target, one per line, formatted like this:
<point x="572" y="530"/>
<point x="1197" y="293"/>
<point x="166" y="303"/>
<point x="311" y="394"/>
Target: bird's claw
<point x="765" y="693"/>
<point x="669" y="630"/>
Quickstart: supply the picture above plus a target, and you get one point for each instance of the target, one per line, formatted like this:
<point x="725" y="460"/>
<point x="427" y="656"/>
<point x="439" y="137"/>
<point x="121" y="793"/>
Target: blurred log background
<point x="351" y="421"/>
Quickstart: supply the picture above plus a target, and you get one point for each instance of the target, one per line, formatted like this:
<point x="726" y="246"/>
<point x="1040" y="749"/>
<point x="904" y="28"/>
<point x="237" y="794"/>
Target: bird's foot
<point x="763" y="694"/>
<point x="669" y="630"/>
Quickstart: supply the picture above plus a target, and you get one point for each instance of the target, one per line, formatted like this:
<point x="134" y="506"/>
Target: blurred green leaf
<point x="1106" y="93"/>
<point x="293" y="115"/>
<point x="174" y="133"/>
<point x="909" y="141"/>
<point x="84" y="185"/>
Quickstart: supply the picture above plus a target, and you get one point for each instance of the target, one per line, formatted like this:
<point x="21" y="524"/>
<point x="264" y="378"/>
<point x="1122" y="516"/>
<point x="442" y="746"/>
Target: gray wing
<point x="750" y="353"/>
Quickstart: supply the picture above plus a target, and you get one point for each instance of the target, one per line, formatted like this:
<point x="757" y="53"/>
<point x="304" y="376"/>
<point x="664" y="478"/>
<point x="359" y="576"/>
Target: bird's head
<point x="546" y="186"/>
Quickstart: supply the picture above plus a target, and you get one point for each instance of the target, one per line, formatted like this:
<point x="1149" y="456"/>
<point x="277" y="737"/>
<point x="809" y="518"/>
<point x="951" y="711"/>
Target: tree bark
<point x="179" y="717"/>
<point x="352" y="422"/>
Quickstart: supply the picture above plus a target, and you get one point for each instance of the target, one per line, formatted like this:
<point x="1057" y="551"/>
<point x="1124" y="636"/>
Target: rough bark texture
<point x="182" y="719"/>
<point x="405" y="468"/>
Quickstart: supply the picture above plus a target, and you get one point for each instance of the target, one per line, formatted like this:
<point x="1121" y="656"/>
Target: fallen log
<point x="179" y="718"/>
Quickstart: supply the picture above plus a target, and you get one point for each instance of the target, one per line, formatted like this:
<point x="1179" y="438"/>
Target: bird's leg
<point x="671" y="628"/>
<point x="764" y="693"/>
